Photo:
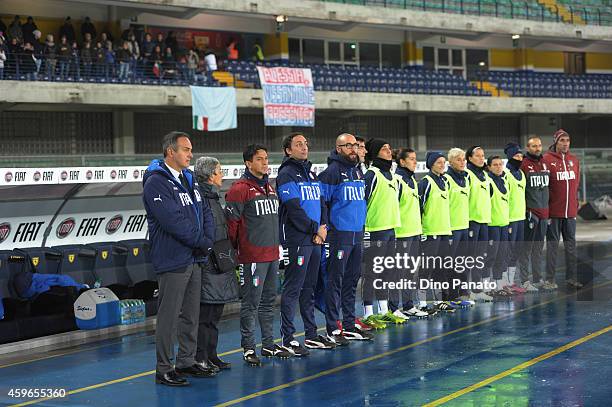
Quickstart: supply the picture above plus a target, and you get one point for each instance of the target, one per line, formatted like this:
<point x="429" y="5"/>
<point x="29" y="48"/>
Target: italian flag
<point x="200" y="123"/>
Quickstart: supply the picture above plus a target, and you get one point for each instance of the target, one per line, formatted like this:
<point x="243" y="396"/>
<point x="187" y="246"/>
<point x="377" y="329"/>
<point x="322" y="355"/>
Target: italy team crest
<point x="340" y="254"/>
<point x="300" y="261"/>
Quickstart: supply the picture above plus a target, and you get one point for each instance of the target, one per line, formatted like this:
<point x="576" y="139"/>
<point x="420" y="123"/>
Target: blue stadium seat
<point x="78" y="263"/>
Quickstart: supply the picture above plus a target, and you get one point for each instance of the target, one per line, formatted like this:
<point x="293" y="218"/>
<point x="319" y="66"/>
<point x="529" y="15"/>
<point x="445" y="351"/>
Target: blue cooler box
<point x="97" y="308"/>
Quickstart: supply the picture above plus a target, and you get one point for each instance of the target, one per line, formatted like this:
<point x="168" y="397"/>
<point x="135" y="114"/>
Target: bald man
<point x="343" y="187"/>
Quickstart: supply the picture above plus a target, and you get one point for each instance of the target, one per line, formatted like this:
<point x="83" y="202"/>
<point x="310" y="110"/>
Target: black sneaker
<point x="444" y="307"/>
<point x="430" y="311"/>
<point x="276" y="352"/>
<point x="339" y="340"/>
<point x="296" y="349"/>
<point x="250" y="357"/>
<point x="357" y="335"/>
<point x="320" y="342"/>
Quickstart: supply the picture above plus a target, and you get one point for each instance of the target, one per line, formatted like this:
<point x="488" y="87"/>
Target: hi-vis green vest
<point x="480" y="198"/>
<point x="459" y="201"/>
<point x="436" y="212"/>
<point x="516" y="190"/>
<point x="383" y="211"/>
<point x="500" y="206"/>
<point x="410" y="212"/>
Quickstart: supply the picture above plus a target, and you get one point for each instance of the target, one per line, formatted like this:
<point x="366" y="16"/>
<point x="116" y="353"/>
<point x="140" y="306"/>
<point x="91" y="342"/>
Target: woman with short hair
<point x="219" y="286"/>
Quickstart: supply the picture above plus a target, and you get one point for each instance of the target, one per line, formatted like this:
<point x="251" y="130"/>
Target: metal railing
<point x="529" y="10"/>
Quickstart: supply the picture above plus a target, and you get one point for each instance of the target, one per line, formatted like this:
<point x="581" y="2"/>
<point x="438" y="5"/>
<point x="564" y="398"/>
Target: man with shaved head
<point x="342" y="185"/>
<point x="536" y="220"/>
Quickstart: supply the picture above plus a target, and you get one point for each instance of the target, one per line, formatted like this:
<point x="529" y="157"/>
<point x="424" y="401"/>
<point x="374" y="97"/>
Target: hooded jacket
<point x="176" y="219"/>
<point x="302" y="206"/>
<point x="252" y="219"/>
<point x="343" y="187"/>
<point x="564" y="182"/>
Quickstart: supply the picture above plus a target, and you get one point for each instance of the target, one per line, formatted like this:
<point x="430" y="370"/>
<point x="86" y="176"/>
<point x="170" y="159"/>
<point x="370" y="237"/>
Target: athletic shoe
<point x="356" y="335"/>
<point x="541" y="285"/>
<point x="391" y="318"/>
<point x="444" y="307"/>
<point x="431" y="311"/>
<point x="519" y="289"/>
<point x="276" y="352"/>
<point x="500" y="294"/>
<point x="339" y="340"/>
<point x="467" y="299"/>
<point x="509" y="290"/>
<point x="481" y="296"/>
<point x="529" y="287"/>
<point x="398" y="313"/>
<point x="375" y="322"/>
<point x="320" y="342"/>
<point x="574" y="283"/>
<point x="362" y="325"/>
<point x="250" y="357"/>
<point x="296" y="349"/>
<point x="549" y="286"/>
<point x="461" y="304"/>
<point x="416" y="313"/>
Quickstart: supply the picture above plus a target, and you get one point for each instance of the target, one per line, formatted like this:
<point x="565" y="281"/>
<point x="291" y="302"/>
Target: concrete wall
<point x="98" y="95"/>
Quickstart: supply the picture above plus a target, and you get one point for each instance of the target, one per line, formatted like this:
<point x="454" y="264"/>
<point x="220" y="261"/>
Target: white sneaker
<point x="530" y="287"/>
<point x="400" y="314"/>
<point x="553" y="285"/>
<point x="468" y="298"/>
<point x="415" y="312"/>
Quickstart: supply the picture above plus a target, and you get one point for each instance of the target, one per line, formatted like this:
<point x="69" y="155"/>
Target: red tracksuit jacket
<point x="564" y="182"/>
<point x="252" y="221"/>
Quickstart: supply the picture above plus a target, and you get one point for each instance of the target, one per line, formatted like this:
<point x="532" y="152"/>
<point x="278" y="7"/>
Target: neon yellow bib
<point x="516" y="190"/>
<point x="500" y="206"/>
<point x="459" y="201"/>
<point x="436" y="212"/>
<point x="480" y="198"/>
<point x="383" y="211"/>
<point x="410" y="213"/>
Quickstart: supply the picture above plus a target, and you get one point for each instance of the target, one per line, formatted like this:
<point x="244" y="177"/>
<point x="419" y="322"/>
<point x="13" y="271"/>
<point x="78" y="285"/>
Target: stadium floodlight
<point x="515" y="36"/>
<point x="281" y="18"/>
<point x="481" y="63"/>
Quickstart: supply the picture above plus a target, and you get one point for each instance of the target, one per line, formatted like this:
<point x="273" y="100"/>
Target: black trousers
<point x="208" y="333"/>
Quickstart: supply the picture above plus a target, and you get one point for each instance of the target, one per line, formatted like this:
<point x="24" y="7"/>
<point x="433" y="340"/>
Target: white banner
<point x="91" y="175"/>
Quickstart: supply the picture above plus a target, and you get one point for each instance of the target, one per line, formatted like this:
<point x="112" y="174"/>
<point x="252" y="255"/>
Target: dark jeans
<point x="381" y="243"/>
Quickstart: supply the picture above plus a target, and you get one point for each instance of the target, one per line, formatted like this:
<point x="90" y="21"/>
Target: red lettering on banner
<point x="285" y="76"/>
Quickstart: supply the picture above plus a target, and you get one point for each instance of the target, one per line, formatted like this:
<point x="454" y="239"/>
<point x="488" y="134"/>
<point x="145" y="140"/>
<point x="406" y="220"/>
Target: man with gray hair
<point x="180" y="234"/>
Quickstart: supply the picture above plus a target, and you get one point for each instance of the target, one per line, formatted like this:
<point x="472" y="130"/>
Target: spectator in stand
<point x="50" y="53"/>
<point x="193" y="61"/>
<point x="27" y="67"/>
<point x="2" y="59"/>
<point x="160" y="40"/>
<point x="75" y="60"/>
<point x="2" y="28"/>
<point x="171" y="42"/>
<point x="28" y="30"/>
<point x="104" y="38"/>
<point x="157" y="61"/>
<point x="99" y="60"/>
<point x="63" y="52"/>
<point x="87" y="39"/>
<point x="211" y="61"/>
<point x="258" y="55"/>
<point x="135" y="51"/>
<point x="38" y="50"/>
<point x="67" y="30"/>
<point x="148" y="45"/>
<point x="15" y="30"/>
<point x="124" y="56"/>
<point x="87" y="27"/>
<point x="109" y="60"/>
<point x="13" y="51"/>
<point x="87" y="58"/>
<point x="169" y="64"/>
<point x="232" y="50"/>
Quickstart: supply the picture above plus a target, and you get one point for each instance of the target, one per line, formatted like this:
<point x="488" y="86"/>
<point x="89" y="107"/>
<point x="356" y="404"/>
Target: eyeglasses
<point x="350" y="146"/>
